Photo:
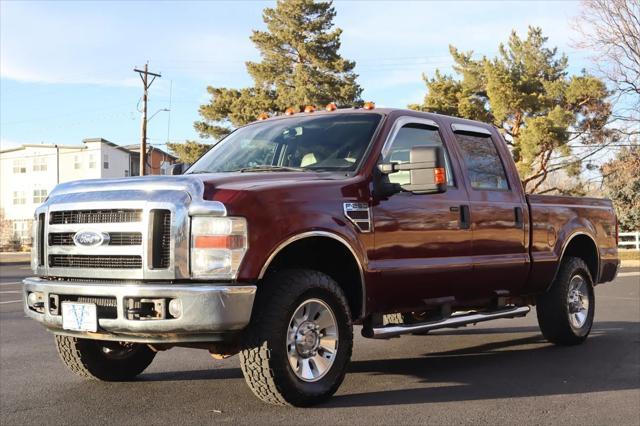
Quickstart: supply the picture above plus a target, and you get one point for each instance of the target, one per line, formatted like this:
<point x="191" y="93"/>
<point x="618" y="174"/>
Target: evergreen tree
<point x="526" y="92"/>
<point x="622" y="185"/>
<point x="189" y="151"/>
<point x="300" y="66"/>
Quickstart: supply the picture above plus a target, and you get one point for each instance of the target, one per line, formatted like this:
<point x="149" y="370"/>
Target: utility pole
<point x="144" y="75"/>
<point x="57" y="164"/>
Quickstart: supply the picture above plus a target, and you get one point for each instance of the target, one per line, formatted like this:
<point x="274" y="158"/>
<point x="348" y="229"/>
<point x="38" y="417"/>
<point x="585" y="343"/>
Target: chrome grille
<point x="95" y="261"/>
<point x="161" y="239"/>
<point x="148" y="233"/>
<point x="39" y="243"/>
<point x="95" y="216"/>
<point x="115" y="238"/>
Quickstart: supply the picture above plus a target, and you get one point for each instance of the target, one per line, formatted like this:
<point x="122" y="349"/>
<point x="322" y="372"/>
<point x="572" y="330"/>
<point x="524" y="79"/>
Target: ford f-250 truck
<point x="293" y="229"/>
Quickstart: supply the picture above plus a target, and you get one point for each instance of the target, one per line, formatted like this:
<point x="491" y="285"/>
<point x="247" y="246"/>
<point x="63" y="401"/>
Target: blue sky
<point x="66" y="67"/>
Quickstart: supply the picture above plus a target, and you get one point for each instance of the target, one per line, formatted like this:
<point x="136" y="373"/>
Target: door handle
<point x="465" y="217"/>
<point x="519" y="221"/>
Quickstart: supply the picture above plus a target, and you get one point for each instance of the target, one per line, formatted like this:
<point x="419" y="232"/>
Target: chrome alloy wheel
<point x="578" y="301"/>
<point x="312" y="340"/>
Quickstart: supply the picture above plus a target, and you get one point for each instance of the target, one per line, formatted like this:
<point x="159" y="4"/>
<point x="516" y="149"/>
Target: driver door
<point x="422" y="241"/>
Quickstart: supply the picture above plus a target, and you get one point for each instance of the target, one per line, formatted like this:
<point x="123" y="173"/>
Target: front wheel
<point x="103" y="360"/>
<point x="299" y="342"/>
<point x="565" y="312"/>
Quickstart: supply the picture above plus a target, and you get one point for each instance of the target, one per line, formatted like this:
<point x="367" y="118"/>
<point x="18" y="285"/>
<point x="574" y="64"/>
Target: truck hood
<point x="198" y="186"/>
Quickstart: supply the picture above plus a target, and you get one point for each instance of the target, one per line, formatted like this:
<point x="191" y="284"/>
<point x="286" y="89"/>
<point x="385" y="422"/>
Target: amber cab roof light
<point x="263" y="116"/>
<point x="331" y="107"/>
<point x="369" y="105"/>
<point x="289" y="111"/>
<point x="310" y="108"/>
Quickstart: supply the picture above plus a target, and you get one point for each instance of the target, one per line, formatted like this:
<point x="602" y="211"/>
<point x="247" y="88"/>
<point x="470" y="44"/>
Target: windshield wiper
<point x="269" y="168"/>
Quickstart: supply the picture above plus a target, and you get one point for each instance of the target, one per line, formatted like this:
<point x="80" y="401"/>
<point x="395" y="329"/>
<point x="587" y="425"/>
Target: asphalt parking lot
<point x="499" y="372"/>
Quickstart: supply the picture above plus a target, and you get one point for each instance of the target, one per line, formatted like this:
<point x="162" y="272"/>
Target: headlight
<point x="218" y="245"/>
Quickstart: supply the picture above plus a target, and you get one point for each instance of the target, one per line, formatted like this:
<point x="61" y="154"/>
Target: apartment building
<point x="28" y="173"/>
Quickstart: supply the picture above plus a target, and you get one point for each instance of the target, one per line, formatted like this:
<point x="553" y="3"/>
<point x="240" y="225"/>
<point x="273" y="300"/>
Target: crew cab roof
<point x="391" y="112"/>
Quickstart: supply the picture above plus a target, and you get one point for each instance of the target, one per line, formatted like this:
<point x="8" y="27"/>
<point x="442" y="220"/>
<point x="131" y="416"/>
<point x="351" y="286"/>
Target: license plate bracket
<point x="78" y="316"/>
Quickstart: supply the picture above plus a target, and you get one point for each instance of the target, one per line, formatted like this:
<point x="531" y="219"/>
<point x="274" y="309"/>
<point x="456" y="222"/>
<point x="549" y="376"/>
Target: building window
<point x="22" y="230"/>
<point x="92" y="161"/>
<point x="19" y="198"/>
<point x="40" y="164"/>
<point x="76" y="162"/>
<point x="39" y="195"/>
<point x="19" y="166"/>
<point x="105" y="161"/>
<point x="164" y="167"/>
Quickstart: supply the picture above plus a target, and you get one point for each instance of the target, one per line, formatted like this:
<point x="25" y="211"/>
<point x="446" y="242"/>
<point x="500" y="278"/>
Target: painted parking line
<point x="19" y="282"/>
<point x="11" y="291"/>
<point x="11" y="301"/>
<point x="629" y="274"/>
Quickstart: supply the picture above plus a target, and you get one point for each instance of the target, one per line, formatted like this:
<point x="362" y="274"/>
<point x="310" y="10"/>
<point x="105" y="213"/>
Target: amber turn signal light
<point x="331" y="107"/>
<point x="369" y="105"/>
<point x="439" y="176"/>
<point x="310" y="108"/>
<point x="229" y="242"/>
<point x="289" y="111"/>
<point x="263" y="116"/>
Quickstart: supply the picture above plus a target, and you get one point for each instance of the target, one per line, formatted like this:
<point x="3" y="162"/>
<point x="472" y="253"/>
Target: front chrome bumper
<point x="210" y="312"/>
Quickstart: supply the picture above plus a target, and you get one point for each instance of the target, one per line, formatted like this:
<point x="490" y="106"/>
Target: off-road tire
<point x="553" y="310"/>
<point x="87" y="359"/>
<point x="263" y="356"/>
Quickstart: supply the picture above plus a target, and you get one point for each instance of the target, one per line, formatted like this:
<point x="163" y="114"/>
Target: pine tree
<point x="525" y="92"/>
<point x="189" y="151"/>
<point x="300" y="66"/>
<point x="622" y="185"/>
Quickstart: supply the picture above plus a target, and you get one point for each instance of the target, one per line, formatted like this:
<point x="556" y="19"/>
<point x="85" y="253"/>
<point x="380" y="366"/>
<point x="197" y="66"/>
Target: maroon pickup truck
<point x="293" y="229"/>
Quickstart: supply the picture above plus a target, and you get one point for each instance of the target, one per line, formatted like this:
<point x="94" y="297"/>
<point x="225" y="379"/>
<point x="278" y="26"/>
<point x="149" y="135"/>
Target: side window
<point x="482" y="160"/>
<point x="408" y="136"/>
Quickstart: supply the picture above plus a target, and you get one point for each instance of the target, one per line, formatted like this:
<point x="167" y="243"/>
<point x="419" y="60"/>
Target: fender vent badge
<point x="359" y="214"/>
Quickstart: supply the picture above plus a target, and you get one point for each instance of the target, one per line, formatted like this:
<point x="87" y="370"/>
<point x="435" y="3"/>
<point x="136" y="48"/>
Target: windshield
<point x="325" y="142"/>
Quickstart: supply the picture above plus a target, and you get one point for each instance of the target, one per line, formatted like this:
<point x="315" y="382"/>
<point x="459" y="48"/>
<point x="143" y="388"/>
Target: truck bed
<point x="557" y="220"/>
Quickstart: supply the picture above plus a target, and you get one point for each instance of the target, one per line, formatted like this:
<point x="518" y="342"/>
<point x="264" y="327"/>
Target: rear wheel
<point x="103" y="360"/>
<point x="565" y="312"/>
<point x="299" y="341"/>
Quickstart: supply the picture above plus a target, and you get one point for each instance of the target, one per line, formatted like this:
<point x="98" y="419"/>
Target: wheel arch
<point x="300" y="246"/>
<point x="581" y="244"/>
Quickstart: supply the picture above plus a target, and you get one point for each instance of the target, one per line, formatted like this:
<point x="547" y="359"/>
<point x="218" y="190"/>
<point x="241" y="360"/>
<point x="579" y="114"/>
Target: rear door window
<point x="485" y="168"/>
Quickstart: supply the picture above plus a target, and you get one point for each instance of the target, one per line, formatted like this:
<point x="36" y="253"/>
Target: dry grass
<point x="629" y="254"/>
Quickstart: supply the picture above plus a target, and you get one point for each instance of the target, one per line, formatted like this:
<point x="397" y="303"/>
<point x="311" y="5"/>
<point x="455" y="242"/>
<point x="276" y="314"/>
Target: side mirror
<point x="426" y="167"/>
<point x="178" y="168"/>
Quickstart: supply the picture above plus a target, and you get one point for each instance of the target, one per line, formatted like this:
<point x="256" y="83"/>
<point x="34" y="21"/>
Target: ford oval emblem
<point x="90" y="238"/>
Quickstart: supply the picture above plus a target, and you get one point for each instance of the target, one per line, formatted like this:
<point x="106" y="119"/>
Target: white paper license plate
<point x="79" y="316"/>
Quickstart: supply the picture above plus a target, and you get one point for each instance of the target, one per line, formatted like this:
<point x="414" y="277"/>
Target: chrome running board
<point x="451" y="322"/>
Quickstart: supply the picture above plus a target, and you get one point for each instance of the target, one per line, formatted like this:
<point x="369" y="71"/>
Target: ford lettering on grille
<point x="90" y="238"/>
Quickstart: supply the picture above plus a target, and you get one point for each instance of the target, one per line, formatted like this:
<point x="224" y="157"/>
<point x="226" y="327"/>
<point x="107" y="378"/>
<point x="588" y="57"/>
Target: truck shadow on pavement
<point x="607" y="361"/>
<point x="500" y="368"/>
